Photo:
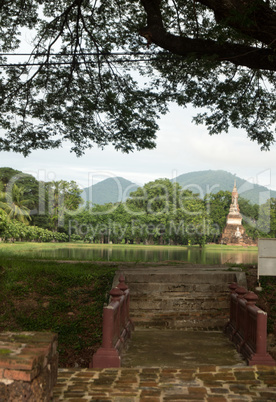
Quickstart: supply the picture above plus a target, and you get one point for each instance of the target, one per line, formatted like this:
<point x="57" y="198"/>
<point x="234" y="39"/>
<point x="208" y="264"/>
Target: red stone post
<point x="260" y="356"/>
<point x="116" y="328"/>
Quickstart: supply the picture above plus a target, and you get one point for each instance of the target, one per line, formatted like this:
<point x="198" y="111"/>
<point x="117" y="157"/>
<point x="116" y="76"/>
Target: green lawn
<point x="59" y="297"/>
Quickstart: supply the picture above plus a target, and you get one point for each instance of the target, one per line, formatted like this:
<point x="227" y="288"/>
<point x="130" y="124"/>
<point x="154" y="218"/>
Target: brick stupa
<point x="234" y="232"/>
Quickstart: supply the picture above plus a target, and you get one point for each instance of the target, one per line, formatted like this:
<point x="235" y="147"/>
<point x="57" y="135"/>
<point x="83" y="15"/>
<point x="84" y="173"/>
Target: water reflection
<point x="152" y="254"/>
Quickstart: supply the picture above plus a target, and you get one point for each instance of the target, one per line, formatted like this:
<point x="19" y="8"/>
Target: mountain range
<point x="118" y="189"/>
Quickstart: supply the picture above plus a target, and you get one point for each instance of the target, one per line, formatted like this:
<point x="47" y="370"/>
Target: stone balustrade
<point x="247" y="327"/>
<point x="117" y="327"/>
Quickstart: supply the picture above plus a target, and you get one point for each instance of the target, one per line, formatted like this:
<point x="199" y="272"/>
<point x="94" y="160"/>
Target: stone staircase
<point x="180" y="297"/>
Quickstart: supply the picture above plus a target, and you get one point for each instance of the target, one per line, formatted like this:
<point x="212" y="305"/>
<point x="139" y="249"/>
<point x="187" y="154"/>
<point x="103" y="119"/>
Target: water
<point x="218" y="255"/>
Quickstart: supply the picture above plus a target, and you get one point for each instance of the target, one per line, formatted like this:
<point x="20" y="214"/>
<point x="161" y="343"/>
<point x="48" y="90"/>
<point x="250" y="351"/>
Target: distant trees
<point x="3" y="221"/>
<point x="267" y="218"/>
<point x="62" y="197"/>
<point x="30" y="208"/>
<point x="160" y="212"/>
<point x="217" y="205"/>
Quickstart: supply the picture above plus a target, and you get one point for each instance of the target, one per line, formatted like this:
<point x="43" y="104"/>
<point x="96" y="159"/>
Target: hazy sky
<point x="181" y="147"/>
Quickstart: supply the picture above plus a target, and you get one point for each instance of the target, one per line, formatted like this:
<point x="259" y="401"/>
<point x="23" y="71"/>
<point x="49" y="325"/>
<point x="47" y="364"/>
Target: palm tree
<point x="3" y="203"/>
<point x="17" y="205"/>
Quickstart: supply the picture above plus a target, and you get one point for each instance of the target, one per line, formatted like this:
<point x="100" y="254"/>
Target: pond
<point x="207" y="255"/>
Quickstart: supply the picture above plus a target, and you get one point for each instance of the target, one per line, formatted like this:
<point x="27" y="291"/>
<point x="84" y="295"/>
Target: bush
<point x="17" y="231"/>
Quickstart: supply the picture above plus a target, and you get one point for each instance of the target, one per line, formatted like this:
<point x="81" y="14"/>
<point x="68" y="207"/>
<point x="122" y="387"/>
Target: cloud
<point x="181" y="147"/>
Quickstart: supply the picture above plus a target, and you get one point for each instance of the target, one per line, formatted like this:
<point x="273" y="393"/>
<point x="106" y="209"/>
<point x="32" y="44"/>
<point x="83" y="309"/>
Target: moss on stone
<point x="5" y="351"/>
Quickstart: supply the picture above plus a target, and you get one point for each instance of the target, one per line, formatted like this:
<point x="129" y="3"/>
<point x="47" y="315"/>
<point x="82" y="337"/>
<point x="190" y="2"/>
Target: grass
<point x="59" y="297"/>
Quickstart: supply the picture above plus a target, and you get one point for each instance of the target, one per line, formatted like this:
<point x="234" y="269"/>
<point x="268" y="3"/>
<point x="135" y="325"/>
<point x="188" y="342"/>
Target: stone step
<point x="180" y="303"/>
<point x="183" y="278"/>
<point x="196" y="320"/>
<point x="180" y="297"/>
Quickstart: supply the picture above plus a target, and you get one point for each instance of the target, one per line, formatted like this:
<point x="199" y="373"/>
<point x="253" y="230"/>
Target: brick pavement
<point x="204" y="383"/>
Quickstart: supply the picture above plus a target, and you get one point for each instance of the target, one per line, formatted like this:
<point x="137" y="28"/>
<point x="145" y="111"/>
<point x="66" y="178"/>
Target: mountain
<point x="212" y="181"/>
<point x="207" y="181"/>
<point x="115" y="189"/>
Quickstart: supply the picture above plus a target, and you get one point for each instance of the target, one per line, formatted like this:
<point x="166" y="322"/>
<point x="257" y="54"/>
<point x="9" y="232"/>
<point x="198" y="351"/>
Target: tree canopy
<point x="101" y="72"/>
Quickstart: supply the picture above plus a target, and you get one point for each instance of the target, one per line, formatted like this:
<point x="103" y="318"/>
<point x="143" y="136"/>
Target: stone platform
<point x="171" y="366"/>
<point x="182" y="349"/>
<point x="204" y="383"/>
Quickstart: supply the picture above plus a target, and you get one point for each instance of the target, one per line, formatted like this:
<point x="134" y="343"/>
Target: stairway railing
<point x="247" y="327"/>
<point x="117" y="327"/>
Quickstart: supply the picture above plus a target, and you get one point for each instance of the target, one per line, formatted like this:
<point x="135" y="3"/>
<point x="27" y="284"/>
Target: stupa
<point x="234" y="232"/>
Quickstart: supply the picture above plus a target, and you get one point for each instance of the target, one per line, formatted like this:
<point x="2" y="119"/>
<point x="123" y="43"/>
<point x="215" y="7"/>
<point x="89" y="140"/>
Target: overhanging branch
<point x="243" y="55"/>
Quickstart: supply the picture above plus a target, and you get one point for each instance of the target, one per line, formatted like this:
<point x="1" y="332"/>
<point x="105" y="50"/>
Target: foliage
<point x="10" y="177"/>
<point x="3" y="221"/>
<point x="218" y="207"/>
<point x="80" y="83"/>
<point x="17" y="204"/>
<point x="63" y="197"/>
<point x="267" y="218"/>
<point x="51" y="202"/>
<point x="160" y="212"/>
<point x="16" y="231"/>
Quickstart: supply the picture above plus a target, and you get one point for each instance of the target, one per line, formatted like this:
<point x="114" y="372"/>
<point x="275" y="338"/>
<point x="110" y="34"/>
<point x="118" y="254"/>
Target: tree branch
<point x="254" y="18"/>
<point x="238" y="54"/>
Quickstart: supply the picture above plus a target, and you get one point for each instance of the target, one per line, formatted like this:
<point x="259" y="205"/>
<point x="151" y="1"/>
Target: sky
<point x="182" y="147"/>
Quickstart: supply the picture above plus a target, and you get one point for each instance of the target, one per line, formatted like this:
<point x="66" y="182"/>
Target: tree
<point x="273" y="217"/>
<point x="267" y="218"/>
<point x="163" y="212"/>
<point x="17" y="204"/>
<point x="9" y="177"/>
<point x="3" y="221"/>
<point x="218" y="208"/>
<point x="3" y="204"/>
<point x="250" y="214"/>
<point x="63" y="198"/>
<point x="80" y="84"/>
